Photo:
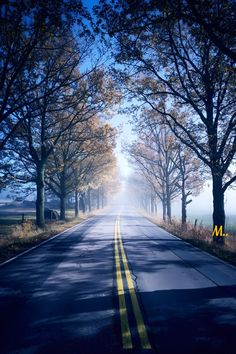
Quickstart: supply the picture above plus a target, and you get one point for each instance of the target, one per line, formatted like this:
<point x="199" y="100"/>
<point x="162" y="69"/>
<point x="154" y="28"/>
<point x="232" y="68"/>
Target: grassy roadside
<point x="26" y="236"/>
<point x="199" y="237"/>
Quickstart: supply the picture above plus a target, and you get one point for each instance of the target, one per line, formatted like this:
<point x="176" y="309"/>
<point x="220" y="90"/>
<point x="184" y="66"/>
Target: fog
<point x="201" y="205"/>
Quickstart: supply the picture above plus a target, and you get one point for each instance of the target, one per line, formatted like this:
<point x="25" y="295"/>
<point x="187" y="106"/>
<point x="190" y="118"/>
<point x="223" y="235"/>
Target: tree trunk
<point x="62" y="197"/>
<point x="168" y="208"/>
<point x="62" y="207"/>
<point x="40" y="221"/>
<point x="168" y="201"/>
<point x="218" y="209"/>
<point x="89" y="199"/>
<point x="82" y="199"/>
<point x="145" y="203"/>
<point x="155" y="208"/>
<point x="76" y="203"/>
<point x="152" y="204"/>
<point x="164" y="209"/>
<point x="98" y="199"/>
<point x="184" y="205"/>
<point x="184" y="210"/>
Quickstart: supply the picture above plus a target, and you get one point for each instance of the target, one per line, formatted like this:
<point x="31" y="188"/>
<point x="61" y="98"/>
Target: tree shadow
<point x="192" y="320"/>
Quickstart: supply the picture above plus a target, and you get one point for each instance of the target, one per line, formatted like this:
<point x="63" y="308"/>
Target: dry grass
<point x="201" y="237"/>
<point x="18" y="237"/>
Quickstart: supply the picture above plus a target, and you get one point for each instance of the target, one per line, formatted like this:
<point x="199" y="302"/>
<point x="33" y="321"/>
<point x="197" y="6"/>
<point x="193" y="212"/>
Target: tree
<point x="156" y="156"/>
<point x="216" y="18"/>
<point x="191" y="177"/>
<point x="26" y="28"/>
<point x="140" y="191"/>
<point x="61" y="163"/>
<point x="4" y="175"/>
<point x="72" y="97"/>
<point x="180" y="173"/>
<point x="99" y="171"/>
<point x="172" y="66"/>
<point x="71" y="162"/>
<point x="170" y="167"/>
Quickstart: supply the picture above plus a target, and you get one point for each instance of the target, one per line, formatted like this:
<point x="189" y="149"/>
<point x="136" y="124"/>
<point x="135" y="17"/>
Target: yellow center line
<point x="137" y="311"/>
<point x="125" y="329"/>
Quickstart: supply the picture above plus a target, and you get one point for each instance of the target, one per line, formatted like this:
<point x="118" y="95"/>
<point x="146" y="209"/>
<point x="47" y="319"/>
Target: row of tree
<point x="178" y="58"/>
<point x="53" y="88"/>
<point x="168" y="167"/>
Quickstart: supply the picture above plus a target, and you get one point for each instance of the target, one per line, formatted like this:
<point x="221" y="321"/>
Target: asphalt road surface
<point x="117" y="283"/>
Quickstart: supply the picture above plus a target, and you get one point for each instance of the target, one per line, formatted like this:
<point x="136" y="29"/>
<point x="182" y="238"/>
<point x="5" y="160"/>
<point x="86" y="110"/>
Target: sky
<point x="90" y="3"/>
<point x="201" y="204"/>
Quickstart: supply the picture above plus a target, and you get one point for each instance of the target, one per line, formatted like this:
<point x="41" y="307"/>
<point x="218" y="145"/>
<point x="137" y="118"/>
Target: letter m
<point x="218" y="231"/>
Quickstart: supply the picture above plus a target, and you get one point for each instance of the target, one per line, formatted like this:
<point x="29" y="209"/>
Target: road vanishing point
<point x="117" y="283"/>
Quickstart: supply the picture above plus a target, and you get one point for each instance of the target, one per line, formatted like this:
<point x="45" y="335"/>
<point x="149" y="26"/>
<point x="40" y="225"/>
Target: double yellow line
<point x="125" y="327"/>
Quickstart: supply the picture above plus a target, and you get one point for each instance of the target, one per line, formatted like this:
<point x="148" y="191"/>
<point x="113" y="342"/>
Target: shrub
<point x="27" y="228"/>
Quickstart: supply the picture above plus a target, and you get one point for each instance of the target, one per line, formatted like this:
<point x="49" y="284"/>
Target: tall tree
<point x="141" y="191"/>
<point x="26" y="28"/>
<point x="71" y="162"/>
<point x="173" y="66"/>
<point x="157" y="158"/>
<point x="75" y="97"/>
<point x="215" y="17"/>
<point x="191" y="177"/>
<point x="61" y="163"/>
<point x="99" y="171"/>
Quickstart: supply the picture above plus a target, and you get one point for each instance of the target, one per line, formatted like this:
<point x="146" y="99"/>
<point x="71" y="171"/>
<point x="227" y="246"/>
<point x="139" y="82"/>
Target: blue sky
<point x="90" y="3"/>
<point x="201" y="204"/>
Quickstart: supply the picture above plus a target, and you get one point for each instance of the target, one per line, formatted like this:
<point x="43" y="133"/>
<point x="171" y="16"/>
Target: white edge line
<point x="40" y="244"/>
<point x="189" y="244"/>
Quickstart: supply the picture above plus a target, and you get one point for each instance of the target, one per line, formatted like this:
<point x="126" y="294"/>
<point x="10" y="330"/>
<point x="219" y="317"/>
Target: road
<point x="117" y="283"/>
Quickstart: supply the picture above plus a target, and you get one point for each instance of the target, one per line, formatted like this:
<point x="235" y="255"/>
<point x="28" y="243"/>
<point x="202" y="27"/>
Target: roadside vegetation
<point x="200" y="236"/>
<point x="175" y="61"/>
<point x="63" y="75"/>
<point x="17" y="236"/>
<point x="56" y="98"/>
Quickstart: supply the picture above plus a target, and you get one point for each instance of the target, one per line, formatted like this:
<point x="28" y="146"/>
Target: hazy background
<point x="201" y="206"/>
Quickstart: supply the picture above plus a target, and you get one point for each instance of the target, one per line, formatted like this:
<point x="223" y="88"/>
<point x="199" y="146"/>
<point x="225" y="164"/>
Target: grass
<point x="206" y="221"/>
<point x="16" y="237"/>
<point x="8" y="223"/>
<point x="200" y="237"/>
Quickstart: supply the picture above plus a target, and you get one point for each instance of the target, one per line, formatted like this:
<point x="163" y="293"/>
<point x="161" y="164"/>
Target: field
<point x="206" y="221"/>
<point x="10" y="217"/>
<point x="17" y="236"/>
